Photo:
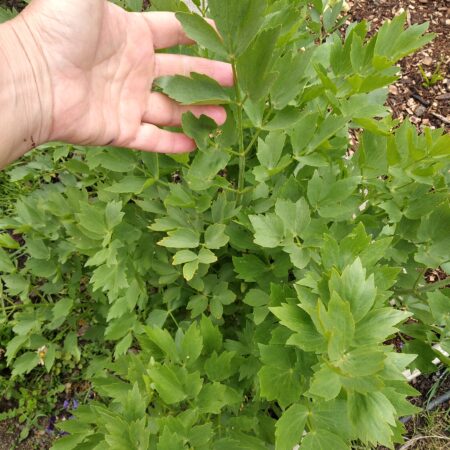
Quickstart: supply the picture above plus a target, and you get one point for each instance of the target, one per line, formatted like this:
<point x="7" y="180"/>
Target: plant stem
<point x="173" y="318"/>
<point x="419" y="277"/>
<point x="249" y="146"/>
<point x="242" y="161"/>
<point x="427" y="288"/>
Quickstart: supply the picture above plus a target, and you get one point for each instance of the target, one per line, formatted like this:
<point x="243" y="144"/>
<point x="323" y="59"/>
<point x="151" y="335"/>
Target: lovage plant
<point x="241" y="297"/>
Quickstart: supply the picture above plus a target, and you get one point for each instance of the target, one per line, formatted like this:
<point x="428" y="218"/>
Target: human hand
<point x="101" y="64"/>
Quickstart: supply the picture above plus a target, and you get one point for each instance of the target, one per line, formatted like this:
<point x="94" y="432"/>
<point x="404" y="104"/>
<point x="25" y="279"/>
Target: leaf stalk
<point x="242" y="155"/>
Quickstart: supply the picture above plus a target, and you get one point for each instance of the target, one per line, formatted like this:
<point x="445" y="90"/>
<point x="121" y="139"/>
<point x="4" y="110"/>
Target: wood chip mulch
<point x="408" y="97"/>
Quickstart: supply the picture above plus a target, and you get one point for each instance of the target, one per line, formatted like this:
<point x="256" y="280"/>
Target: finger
<point x="167" y="64"/>
<point x="163" y="111"/>
<point x="150" y="138"/>
<point x="166" y="30"/>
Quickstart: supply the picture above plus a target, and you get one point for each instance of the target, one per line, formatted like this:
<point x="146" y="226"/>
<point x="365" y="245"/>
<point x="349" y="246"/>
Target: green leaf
<point x="353" y="287"/>
<point x="196" y="90"/>
<point x="306" y="335"/>
<point x="331" y="416"/>
<point x="206" y="256"/>
<point x="179" y="196"/>
<point x="238" y="22"/>
<point x="169" y="5"/>
<point x="200" y="129"/>
<point x="270" y="150"/>
<point x="326" y="130"/>
<point x="255" y="64"/>
<point x="249" y="267"/>
<point x="295" y="216"/>
<point x="6" y="265"/>
<point x="284" y="119"/>
<point x="167" y="383"/>
<point x="25" y="363"/>
<point x="170" y="440"/>
<point x="256" y="297"/>
<point x="363" y="361"/>
<point x="60" y="311"/>
<point x="14" y="345"/>
<point x="6" y="241"/>
<point x="71" y="346"/>
<point x="123" y="345"/>
<point x="339" y="326"/>
<point x="331" y="13"/>
<point x="128" y="185"/>
<point x="38" y="249"/>
<point x="202" y="32"/>
<point x="213" y="397"/>
<point x="69" y="442"/>
<point x="292" y="69"/>
<point x="322" y="439"/>
<point x="205" y="168"/>
<point x="440" y="307"/>
<point x="372" y="416"/>
<point x="289" y="428"/>
<point x="109" y="279"/>
<point x="184" y="256"/>
<point x="190" y="269"/>
<point x="181" y="238"/>
<point x="326" y="383"/>
<point x="303" y="132"/>
<point x="394" y="43"/>
<point x="269" y="230"/>
<point x="299" y="256"/>
<point x="280" y="377"/>
<point x="378" y="324"/>
<point x="163" y="340"/>
<point x="212" y="337"/>
<point x="215" y="236"/>
<point x="92" y="220"/>
<point x="191" y="345"/>
<point x="201" y="435"/>
<point x="218" y="367"/>
<point x="197" y="305"/>
<point x="113" y="214"/>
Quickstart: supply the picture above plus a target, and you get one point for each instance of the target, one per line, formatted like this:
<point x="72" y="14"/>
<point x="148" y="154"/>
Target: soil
<point x="425" y="106"/>
<point x="431" y="387"/>
<point x="38" y="439"/>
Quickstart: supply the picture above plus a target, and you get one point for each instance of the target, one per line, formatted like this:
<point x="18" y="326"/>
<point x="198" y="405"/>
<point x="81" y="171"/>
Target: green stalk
<point x="157" y="166"/>
<point x="252" y="142"/>
<point x="242" y="159"/>
<point x="427" y="288"/>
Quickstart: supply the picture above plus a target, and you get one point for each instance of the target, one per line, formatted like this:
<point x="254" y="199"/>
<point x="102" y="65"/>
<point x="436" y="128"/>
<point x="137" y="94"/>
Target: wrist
<point x="26" y="102"/>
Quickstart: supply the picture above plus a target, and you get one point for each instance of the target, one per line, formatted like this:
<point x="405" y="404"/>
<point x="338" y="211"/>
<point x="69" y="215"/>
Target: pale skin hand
<point x="101" y="64"/>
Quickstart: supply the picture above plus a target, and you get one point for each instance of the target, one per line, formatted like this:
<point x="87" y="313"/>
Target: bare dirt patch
<point x="409" y="97"/>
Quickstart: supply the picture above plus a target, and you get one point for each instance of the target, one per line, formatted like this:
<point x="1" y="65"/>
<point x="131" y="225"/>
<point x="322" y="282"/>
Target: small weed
<point x="431" y="431"/>
<point x="433" y="79"/>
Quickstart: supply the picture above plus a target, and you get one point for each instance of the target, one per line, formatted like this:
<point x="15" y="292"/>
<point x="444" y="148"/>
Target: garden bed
<point x="425" y="106"/>
<point x="429" y="104"/>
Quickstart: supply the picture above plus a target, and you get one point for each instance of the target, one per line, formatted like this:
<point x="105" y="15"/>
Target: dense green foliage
<point x="240" y="297"/>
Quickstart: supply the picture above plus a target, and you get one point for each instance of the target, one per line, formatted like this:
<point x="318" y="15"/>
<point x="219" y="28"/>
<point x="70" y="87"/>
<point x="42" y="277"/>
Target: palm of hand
<point x="102" y="63"/>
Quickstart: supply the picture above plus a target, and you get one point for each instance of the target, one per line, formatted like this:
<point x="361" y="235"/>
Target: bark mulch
<point x="424" y="105"/>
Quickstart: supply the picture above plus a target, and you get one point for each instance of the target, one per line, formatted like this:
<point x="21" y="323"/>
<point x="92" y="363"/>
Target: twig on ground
<point x="418" y="438"/>
<point x="441" y="118"/>
<point x="421" y="100"/>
